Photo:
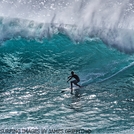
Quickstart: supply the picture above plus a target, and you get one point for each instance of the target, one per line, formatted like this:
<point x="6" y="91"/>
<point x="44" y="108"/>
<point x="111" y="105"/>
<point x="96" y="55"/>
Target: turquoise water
<point x="34" y="73"/>
<point x="35" y="60"/>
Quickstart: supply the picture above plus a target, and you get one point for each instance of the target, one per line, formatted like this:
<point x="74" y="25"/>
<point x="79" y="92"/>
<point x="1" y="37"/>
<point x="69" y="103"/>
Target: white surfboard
<point x="69" y="89"/>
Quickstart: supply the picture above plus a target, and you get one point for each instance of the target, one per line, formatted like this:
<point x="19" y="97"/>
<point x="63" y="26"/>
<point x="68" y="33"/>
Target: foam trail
<point x="123" y="69"/>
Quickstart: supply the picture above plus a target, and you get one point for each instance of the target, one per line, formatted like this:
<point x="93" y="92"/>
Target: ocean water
<point x="42" y="43"/>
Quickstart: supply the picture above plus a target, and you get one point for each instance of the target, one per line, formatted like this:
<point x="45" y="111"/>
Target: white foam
<point x="112" y="20"/>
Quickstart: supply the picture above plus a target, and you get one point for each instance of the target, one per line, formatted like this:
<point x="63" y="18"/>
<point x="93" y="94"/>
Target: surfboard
<point x="69" y="89"/>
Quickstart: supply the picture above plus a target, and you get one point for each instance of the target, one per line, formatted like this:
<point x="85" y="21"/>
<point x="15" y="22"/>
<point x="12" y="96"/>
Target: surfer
<point x="77" y="79"/>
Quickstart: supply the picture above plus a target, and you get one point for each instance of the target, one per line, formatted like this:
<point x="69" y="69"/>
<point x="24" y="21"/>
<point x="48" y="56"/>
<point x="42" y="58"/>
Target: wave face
<point x="36" y="57"/>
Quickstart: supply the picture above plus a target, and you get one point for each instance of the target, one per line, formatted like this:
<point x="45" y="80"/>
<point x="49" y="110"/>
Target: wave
<point x="44" y="41"/>
<point x="53" y="58"/>
<point x="36" y="45"/>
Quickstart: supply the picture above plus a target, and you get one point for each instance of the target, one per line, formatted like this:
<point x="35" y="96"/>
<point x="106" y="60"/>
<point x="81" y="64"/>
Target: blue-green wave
<point x="91" y="58"/>
<point x="37" y="55"/>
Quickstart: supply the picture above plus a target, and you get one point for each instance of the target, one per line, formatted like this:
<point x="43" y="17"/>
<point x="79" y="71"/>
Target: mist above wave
<point x="112" y="20"/>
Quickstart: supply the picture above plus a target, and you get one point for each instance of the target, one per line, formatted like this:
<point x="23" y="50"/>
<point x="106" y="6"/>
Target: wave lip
<point x="117" y="37"/>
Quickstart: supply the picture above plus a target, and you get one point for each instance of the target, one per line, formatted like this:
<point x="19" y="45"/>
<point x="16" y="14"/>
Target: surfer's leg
<point x="75" y="82"/>
<point x="77" y="85"/>
<point x="71" y="84"/>
<point x="71" y="91"/>
<point x="72" y="87"/>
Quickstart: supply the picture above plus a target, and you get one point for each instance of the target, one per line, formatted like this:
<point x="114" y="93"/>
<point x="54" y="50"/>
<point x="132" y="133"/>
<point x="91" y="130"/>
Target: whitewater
<point x="42" y="41"/>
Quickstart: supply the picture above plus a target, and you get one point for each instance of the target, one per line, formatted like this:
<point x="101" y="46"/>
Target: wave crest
<point x="119" y="38"/>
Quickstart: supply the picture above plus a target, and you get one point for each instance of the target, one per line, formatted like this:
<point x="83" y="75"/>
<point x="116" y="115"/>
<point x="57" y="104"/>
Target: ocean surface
<point x="42" y="41"/>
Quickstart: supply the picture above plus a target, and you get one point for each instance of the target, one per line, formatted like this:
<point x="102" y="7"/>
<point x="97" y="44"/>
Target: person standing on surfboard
<point x="77" y="79"/>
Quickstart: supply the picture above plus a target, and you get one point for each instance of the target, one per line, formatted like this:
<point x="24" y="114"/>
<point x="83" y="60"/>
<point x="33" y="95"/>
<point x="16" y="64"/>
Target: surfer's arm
<point x="69" y="78"/>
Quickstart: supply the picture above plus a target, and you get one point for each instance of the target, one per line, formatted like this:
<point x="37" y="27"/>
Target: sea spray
<point x="111" y="21"/>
